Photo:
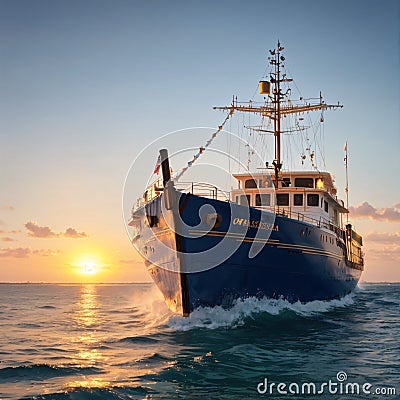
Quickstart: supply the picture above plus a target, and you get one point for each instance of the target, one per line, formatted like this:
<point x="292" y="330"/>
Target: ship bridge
<point x="307" y="196"/>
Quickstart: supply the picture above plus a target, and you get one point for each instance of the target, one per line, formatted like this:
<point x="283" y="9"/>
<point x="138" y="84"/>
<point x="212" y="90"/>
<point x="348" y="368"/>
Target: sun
<point x="89" y="268"/>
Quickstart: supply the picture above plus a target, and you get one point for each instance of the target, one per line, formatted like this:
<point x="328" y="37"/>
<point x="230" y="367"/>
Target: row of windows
<point x="282" y="199"/>
<point x="262" y="199"/>
<point x="286" y="182"/>
<point x="261" y="183"/>
<point x="309" y="182"/>
<point x="326" y="239"/>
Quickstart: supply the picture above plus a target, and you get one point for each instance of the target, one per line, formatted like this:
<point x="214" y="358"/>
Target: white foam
<point x="361" y="286"/>
<point x="217" y="317"/>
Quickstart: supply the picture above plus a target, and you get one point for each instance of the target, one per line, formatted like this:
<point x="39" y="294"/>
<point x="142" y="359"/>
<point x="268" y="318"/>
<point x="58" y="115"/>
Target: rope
<point x="203" y="148"/>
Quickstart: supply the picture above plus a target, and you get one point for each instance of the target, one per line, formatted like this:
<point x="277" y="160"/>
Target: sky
<point x="86" y="85"/>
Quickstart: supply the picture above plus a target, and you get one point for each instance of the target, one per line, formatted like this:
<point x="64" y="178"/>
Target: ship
<point x="280" y="233"/>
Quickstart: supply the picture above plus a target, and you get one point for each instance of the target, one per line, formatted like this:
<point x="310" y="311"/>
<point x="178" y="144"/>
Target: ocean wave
<point x="109" y="393"/>
<point x="45" y="307"/>
<point x="139" y="339"/>
<point x="218" y="317"/>
<point x="43" y="371"/>
<point x="29" y="325"/>
<point x="152" y="358"/>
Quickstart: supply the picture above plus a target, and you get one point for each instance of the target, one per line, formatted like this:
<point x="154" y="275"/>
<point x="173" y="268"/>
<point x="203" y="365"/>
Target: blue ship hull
<point x="293" y="259"/>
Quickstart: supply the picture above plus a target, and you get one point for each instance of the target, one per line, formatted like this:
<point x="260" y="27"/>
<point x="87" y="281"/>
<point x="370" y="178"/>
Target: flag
<point x="345" y="147"/>
<point x="158" y="165"/>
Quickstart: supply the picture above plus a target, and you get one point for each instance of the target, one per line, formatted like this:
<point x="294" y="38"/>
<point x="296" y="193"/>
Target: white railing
<point x="196" y="188"/>
<point x="212" y="192"/>
<point x="203" y="189"/>
<point x="321" y="222"/>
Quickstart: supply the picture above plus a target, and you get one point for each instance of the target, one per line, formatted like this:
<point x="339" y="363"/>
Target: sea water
<point x="121" y="342"/>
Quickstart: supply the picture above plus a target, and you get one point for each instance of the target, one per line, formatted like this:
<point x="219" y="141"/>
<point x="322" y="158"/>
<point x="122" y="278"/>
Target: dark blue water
<point x="120" y="342"/>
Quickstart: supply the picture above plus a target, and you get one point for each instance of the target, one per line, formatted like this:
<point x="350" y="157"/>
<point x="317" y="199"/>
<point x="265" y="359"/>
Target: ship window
<point x="282" y="199"/>
<point x="285" y="182"/>
<point x="304" y="182"/>
<point x="298" y="199"/>
<point x="319" y="183"/>
<point x="326" y="206"/>
<point x="263" y="199"/>
<point x="244" y="200"/>
<point x="312" y="200"/>
<point x="266" y="181"/>
<point x="250" y="184"/>
<point x="335" y="216"/>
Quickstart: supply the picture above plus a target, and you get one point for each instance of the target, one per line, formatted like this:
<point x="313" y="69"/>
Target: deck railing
<point x="212" y="192"/>
<point x="320" y="222"/>
<point x="196" y="188"/>
<point x="203" y="189"/>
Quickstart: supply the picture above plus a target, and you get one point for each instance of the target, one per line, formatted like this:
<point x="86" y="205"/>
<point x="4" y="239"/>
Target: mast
<point x="347" y="182"/>
<point x="277" y="105"/>
<point x="275" y="78"/>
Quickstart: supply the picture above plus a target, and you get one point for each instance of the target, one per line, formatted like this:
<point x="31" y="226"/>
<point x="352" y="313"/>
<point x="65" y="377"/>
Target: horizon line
<point x="72" y="283"/>
<point x="119" y="283"/>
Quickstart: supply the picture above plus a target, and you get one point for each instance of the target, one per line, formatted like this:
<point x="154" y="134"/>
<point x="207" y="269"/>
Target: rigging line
<point x="315" y="141"/>
<point x="229" y="146"/>
<point x="291" y="142"/>
<point x="240" y="130"/>
<point x="287" y="69"/>
<point x="322" y="156"/>
<point x="296" y="144"/>
<point x="318" y="129"/>
<point x="203" y="148"/>
<point x="323" y="145"/>
<point x="259" y="143"/>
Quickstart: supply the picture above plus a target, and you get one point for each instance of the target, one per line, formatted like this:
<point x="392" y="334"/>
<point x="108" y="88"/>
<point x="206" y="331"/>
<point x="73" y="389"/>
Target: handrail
<point x="195" y="188"/>
<point x="321" y="222"/>
<point x="203" y="189"/>
<point x="207" y="190"/>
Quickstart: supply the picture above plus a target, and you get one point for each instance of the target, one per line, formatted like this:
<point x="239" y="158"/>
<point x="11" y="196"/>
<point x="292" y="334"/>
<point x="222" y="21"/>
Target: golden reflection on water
<point x="88" y="337"/>
<point x="86" y="311"/>
<point x="89" y="334"/>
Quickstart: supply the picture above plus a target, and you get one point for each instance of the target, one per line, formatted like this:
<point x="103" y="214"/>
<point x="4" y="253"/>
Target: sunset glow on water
<point x="121" y="342"/>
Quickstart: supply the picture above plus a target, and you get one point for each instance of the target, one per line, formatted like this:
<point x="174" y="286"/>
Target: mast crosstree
<point x="277" y="104"/>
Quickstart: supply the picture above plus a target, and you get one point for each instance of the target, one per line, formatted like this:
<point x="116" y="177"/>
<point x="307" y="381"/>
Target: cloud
<point x="385" y="253"/>
<point x="382" y="246"/>
<point x="383" y="237"/>
<point x="74" y="234"/>
<point x="19" y="252"/>
<point x="7" y="208"/>
<point x="46" y="252"/>
<point x="24" y="252"/>
<point x="37" y="231"/>
<point x="7" y="239"/>
<point x="366" y="210"/>
<point x="45" y="232"/>
<point x="131" y="262"/>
